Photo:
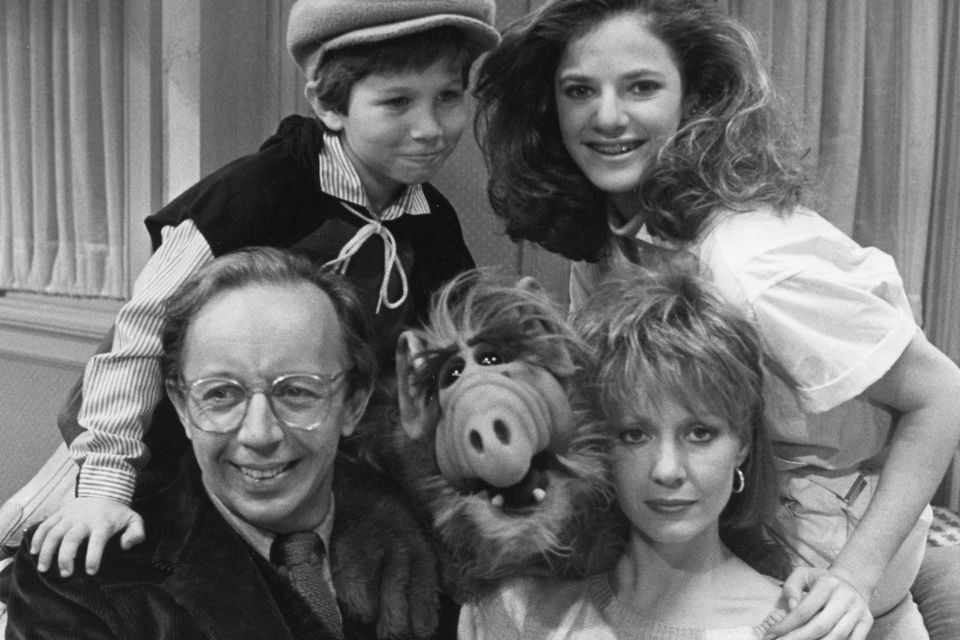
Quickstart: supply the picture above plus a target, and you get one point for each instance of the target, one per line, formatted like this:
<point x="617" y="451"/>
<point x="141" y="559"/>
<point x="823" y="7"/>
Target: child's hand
<point x="98" y="519"/>
<point x="824" y="604"/>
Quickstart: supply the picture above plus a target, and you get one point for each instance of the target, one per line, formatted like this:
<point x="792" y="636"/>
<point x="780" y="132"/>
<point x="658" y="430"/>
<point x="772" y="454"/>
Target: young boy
<point x="387" y="81"/>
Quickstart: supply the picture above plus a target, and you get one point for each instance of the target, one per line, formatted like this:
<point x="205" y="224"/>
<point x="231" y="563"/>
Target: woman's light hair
<point x="669" y="333"/>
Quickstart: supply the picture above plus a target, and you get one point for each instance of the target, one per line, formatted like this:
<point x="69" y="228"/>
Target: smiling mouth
<point x="614" y="149"/>
<point x="262" y="474"/>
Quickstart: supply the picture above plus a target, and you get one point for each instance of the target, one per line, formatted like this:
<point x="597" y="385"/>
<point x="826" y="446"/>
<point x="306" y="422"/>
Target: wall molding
<point x="61" y="332"/>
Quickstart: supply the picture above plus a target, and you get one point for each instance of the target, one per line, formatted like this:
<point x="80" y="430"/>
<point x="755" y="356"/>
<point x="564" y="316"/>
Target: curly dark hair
<point x="732" y="149"/>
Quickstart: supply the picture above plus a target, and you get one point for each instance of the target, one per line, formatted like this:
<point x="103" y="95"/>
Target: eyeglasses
<point x="298" y="400"/>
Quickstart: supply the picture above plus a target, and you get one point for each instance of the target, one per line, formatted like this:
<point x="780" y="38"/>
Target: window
<point x="79" y="151"/>
<point x="61" y="148"/>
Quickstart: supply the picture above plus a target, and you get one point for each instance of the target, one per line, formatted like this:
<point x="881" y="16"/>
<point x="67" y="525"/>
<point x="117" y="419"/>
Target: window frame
<point x="63" y="330"/>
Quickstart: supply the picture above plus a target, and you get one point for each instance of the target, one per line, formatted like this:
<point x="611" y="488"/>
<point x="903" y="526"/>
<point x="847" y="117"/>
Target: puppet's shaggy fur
<point x="514" y="345"/>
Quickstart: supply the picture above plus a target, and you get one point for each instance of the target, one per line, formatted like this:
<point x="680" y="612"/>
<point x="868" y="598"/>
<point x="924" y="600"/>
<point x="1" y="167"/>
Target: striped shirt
<point x="339" y="178"/>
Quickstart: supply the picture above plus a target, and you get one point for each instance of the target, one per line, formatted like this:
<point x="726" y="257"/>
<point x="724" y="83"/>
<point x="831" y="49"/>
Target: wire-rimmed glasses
<point x="298" y="400"/>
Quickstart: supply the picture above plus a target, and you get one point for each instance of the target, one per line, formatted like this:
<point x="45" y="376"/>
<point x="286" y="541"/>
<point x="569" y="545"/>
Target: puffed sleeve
<point x="833" y="316"/>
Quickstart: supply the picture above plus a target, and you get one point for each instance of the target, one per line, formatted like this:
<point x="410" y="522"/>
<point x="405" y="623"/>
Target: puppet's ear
<point x="419" y="411"/>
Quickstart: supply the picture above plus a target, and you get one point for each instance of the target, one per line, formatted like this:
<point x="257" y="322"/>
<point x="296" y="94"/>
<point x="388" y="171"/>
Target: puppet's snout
<point x="494" y="424"/>
<point x="497" y="448"/>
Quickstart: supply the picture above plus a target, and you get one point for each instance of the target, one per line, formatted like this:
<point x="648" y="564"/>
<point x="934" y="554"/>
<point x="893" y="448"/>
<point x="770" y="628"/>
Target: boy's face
<point x="400" y="127"/>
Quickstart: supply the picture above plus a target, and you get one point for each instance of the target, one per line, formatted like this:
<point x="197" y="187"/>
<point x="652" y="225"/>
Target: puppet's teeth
<point x="497" y="500"/>
<point x="539" y="494"/>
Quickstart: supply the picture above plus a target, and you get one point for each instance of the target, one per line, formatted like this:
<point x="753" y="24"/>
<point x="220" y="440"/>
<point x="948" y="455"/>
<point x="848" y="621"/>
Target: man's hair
<point x="670" y="333"/>
<point x="265" y="265"/>
<point x="343" y="68"/>
<point x="731" y="150"/>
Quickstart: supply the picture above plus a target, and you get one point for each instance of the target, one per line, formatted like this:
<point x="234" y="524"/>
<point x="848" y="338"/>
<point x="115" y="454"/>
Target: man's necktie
<point x="302" y="556"/>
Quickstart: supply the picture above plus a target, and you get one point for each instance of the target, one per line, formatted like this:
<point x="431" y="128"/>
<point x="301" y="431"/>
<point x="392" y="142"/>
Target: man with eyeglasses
<point x="267" y="360"/>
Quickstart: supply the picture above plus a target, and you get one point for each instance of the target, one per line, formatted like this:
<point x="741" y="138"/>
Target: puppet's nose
<point x="494" y="424"/>
<point x="498" y="448"/>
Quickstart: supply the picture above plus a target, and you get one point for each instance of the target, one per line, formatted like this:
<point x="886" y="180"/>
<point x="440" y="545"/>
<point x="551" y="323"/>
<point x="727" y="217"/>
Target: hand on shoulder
<point x="94" y="520"/>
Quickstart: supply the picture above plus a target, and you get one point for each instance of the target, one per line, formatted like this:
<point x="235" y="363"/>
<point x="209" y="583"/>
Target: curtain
<point x="874" y="86"/>
<point x="62" y="147"/>
<point x="942" y="285"/>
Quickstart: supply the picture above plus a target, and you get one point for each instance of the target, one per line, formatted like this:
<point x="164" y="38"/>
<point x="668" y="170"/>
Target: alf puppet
<point x="488" y="440"/>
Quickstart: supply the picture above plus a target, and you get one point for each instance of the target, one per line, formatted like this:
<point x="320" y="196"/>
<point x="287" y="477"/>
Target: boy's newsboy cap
<point x="318" y="26"/>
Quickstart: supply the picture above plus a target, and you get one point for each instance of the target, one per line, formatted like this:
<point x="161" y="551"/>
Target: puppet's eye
<point x="486" y="356"/>
<point x="450" y="371"/>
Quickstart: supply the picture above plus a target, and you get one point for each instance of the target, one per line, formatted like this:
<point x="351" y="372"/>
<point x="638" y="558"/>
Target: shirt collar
<point x="639" y="246"/>
<point x="628" y="228"/>
<point x="339" y="178"/>
<point x="635" y="229"/>
<point x="261" y="539"/>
